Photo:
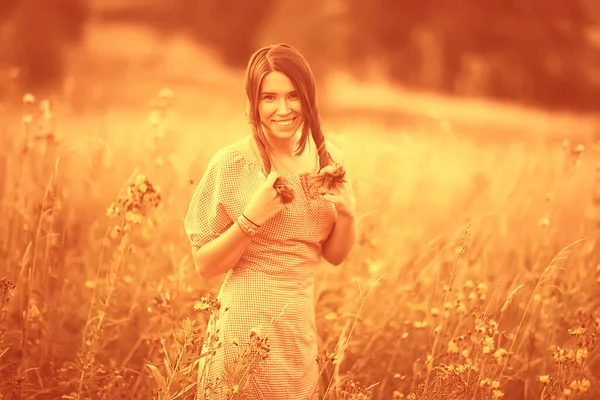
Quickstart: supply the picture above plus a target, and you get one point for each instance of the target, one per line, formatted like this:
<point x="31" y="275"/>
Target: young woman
<point x="266" y="239"/>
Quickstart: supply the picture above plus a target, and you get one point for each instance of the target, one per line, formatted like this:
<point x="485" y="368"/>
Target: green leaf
<point x="157" y="376"/>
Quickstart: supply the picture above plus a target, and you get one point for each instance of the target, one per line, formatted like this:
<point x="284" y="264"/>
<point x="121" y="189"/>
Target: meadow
<point x="476" y="273"/>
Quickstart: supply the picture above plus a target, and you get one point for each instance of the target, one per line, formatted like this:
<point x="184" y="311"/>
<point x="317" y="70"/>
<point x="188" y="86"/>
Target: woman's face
<point x="279" y="106"/>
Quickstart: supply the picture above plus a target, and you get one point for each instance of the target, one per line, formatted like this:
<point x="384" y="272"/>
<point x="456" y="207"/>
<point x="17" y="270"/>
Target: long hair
<point x="287" y="60"/>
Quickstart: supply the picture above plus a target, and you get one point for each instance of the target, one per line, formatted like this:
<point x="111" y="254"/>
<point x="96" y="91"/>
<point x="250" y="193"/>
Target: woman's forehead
<point x="277" y="82"/>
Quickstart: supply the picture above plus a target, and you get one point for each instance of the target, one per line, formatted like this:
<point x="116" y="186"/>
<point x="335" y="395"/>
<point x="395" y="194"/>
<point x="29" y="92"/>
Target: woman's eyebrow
<point x="267" y="92"/>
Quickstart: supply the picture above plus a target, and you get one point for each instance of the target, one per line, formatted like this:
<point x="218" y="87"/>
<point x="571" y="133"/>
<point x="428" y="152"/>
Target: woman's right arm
<point x="222" y="253"/>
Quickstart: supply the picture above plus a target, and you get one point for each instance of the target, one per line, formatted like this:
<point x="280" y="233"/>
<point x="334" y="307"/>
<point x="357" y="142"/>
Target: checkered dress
<point x="271" y="288"/>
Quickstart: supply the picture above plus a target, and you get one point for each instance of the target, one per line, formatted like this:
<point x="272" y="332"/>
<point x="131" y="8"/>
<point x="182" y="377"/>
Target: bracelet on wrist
<point x="246" y="228"/>
<point x="249" y="220"/>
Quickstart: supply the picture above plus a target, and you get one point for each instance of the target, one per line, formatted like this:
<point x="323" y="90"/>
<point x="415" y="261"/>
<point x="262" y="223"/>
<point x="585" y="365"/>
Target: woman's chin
<point x="284" y="133"/>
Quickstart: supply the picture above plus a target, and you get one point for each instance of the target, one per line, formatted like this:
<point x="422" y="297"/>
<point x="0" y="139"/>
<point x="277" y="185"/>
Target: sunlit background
<point x="470" y="132"/>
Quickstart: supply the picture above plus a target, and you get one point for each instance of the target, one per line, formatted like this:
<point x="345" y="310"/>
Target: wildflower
<point x="469" y="284"/>
<point x="482" y="287"/>
<point x="452" y="347"/>
<point x="154" y="118"/>
<point x="420" y="324"/>
<point x="330" y="316"/>
<point x="254" y="332"/>
<point x="488" y="344"/>
<point x="497" y="394"/>
<point x="28" y="98"/>
<point x="558" y="354"/>
<point x="45" y="109"/>
<point x="493" y="325"/>
<point x="115" y="232"/>
<point x="576" y="332"/>
<point x="113" y="210"/>
<point x="435" y="311"/>
<point x="581" y="355"/>
<point x="581" y="385"/>
<point x="544" y="378"/>
<point x="165" y="93"/>
<point x="499" y="355"/>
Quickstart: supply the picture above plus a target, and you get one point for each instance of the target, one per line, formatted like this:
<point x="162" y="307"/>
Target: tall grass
<point x="476" y="272"/>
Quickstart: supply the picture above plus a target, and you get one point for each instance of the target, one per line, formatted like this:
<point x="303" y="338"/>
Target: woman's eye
<point x="294" y="96"/>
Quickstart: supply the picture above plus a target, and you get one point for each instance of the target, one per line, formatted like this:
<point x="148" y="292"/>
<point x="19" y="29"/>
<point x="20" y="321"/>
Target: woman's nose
<point x="283" y="108"/>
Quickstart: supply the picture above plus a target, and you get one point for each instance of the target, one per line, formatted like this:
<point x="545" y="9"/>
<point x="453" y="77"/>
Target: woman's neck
<point x="284" y="148"/>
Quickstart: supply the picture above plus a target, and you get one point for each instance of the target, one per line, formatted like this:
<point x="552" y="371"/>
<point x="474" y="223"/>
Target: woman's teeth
<point x="287" y="122"/>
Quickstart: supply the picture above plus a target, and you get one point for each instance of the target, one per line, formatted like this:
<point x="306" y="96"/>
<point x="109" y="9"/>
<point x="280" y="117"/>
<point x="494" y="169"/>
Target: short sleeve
<point x="208" y="212"/>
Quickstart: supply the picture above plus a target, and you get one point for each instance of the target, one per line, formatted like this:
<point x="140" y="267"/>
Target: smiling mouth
<point x="285" y="122"/>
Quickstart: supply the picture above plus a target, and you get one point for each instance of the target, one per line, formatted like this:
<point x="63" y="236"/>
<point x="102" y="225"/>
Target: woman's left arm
<point x="341" y="239"/>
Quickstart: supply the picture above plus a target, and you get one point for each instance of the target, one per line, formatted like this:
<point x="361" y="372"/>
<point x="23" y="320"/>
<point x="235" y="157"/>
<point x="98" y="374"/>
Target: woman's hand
<point x="338" y="195"/>
<point x="266" y="202"/>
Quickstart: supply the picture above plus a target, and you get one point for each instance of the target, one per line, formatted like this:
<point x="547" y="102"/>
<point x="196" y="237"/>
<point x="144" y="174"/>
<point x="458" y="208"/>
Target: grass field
<point x="476" y="273"/>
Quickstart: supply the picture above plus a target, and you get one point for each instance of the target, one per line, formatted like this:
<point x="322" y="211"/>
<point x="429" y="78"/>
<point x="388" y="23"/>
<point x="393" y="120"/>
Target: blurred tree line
<point x="537" y="52"/>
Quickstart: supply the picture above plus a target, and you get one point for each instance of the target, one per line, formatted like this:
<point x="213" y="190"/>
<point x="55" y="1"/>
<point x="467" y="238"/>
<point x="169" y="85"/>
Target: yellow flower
<point x="488" y="344"/>
<point x="420" y="324"/>
<point x="544" y="378"/>
<point x="581" y="355"/>
<point x="141" y="178"/>
<point x="28" y="98"/>
<point x="499" y="355"/>
<point x="482" y="287"/>
<point x="580" y="385"/>
<point x="576" y="332"/>
<point x="452" y="347"/>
